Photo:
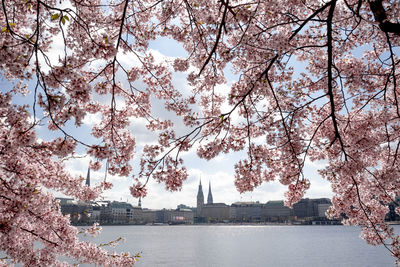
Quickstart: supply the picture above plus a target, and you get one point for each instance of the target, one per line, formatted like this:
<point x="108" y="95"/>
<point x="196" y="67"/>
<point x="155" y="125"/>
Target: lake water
<point x="247" y="246"/>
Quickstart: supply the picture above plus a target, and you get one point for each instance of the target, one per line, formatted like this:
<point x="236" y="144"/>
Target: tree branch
<point x="381" y="17"/>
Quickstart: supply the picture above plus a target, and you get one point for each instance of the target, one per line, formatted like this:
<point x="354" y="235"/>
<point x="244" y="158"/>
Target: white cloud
<point x="142" y="134"/>
<point x="92" y="119"/>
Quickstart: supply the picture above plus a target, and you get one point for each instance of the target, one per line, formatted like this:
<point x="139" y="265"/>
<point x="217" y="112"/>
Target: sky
<point x="218" y="171"/>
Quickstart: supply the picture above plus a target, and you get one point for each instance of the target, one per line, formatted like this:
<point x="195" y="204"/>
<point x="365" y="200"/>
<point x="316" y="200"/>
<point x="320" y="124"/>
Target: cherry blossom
<point x="313" y="80"/>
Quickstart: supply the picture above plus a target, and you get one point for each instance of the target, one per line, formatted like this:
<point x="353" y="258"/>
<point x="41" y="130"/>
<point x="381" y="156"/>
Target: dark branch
<point x="221" y="26"/>
<point x="381" y="17"/>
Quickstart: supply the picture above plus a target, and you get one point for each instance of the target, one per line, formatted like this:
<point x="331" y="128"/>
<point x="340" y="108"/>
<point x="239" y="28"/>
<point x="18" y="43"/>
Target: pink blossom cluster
<point x="28" y="213"/>
<point x="138" y="190"/>
<point x="94" y="230"/>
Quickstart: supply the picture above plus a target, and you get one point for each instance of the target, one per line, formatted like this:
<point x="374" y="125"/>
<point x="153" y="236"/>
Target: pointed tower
<point x="88" y="177"/>
<point x="200" y="200"/>
<point x="209" y="197"/>
<point x="140" y="202"/>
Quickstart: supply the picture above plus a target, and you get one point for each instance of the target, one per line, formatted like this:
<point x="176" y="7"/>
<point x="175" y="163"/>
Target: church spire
<point x="200" y="200"/>
<point x="209" y="198"/>
<point x="88" y="177"/>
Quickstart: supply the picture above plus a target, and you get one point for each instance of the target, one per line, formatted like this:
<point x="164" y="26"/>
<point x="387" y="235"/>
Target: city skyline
<point x="222" y="181"/>
<point x="222" y="192"/>
<point x="106" y="212"/>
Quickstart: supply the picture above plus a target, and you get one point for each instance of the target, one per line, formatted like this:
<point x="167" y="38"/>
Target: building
<point x="96" y="212"/>
<point x="216" y="212"/>
<point x="276" y="211"/>
<point x="178" y="216"/>
<point x="392" y="214"/>
<point x="149" y="216"/>
<point x="116" y="212"/>
<point x="308" y="208"/>
<point x="79" y="212"/>
<point x="246" y="211"/>
<point x="322" y="208"/>
<point x="209" y="197"/>
<point x="210" y="212"/>
<point x="88" y="178"/>
<point x="306" y="211"/>
<point x="200" y="201"/>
